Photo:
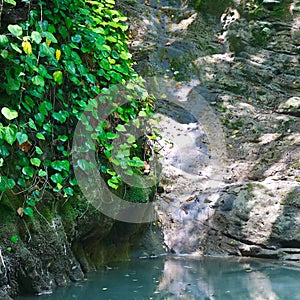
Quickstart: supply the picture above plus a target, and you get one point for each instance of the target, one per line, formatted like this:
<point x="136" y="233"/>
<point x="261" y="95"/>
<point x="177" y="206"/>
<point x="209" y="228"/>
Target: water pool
<point x="186" y="278"/>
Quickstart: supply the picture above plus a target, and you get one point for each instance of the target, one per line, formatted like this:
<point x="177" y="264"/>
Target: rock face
<point x="58" y="246"/>
<point x="244" y="61"/>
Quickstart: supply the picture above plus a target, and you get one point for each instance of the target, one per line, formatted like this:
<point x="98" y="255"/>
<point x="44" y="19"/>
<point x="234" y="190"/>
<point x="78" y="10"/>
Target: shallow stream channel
<point x="182" y="277"/>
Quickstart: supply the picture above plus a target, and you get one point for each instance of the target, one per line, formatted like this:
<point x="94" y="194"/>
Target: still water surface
<point x="173" y="278"/>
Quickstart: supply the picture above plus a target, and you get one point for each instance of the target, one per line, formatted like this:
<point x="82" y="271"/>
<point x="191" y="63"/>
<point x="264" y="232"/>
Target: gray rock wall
<point x="244" y="60"/>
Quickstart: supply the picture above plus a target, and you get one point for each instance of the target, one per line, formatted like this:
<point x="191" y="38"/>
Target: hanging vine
<point x="53" y="65"/>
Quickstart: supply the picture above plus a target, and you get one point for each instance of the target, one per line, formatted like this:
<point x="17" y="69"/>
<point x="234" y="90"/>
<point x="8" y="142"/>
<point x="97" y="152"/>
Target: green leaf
<point x="125" y="55"/>
<point x="100" y="41"/>
<point x="4" y="151"/>
<point x="60" y="165"/>
<point x="49" y="36"/>
<point x="70" y="67"/>
<point x="36" y="37"/>
<point x="115" y="54"/>
<point x="22" y="137"/>
<point x="14" y="239"/>
<point x="56" y="178"/>
<point x="63" y="31"/>
<point x="110" y="172"/>
<point x="1" y="162"/>
<point x="38" y="80"/>
<point x="42" y="173"/>
<point x="60" y="116"/>
<point x="35" y="161"/>
<point x="29" y="101"/>
<point x="15" y="30"/>
<point x="111" y="135"/>
<point x="13" y="84"/>
<point x="43" y="71"/>
<point x="47" y="127"/>
<point x="4" y="54"/>
<point x="6" y="183"/>
<point x="58" y="77"/>
<point x="38" y="150"/>
<point x="28" y="211"/>
<point x="39" y="118"/>
<point x="69" y="191"/>
<point x="63" y="138"/>
<point x="136" y="162"/>
<point x="22" y="183"/>
<point x="3" y="40"/>
<point x="142" y="113"/>
<point x="32" y="124"/>
<point x="91" y="78"/>
<point x="131" y="139"/>
<point x="8" y="113"/>
<point x="104" y="63"/>
<point x="12" y="2"/>
<point x="45" y="50"/>
<point x="111" y="39"/>
<point x="128" y="172"/>
<point x="10" y="183"/>
<point x="30" y="201"/>
<point x="10" y="134"/>
<point x="44" y="107"/>
<point x="112" y="184"/>
<point x="15" y="47"/>
<point x="73" y="181"/>
<point x="76" y="38"/>
<point x="121" y="128"/>
<point x="107" y="153"/>
<point x="40" y="136"/>
<point x="28" y="171"/>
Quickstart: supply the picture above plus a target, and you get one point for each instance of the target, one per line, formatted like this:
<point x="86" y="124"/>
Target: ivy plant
<point x="53" y="66"/>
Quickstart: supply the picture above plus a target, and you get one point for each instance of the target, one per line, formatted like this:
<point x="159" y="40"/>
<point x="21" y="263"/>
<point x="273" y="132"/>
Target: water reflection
<point x="188" y="278"/>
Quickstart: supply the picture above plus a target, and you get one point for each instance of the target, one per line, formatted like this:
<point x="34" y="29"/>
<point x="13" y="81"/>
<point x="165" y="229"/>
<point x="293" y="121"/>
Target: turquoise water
<point x="186" y="278"/>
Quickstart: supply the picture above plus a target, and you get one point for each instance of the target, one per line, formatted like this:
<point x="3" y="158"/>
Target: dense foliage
<point x="53" y="66"/>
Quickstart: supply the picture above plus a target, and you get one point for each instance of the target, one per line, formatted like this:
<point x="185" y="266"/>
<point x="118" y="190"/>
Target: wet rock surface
<point x="245" y="63"/>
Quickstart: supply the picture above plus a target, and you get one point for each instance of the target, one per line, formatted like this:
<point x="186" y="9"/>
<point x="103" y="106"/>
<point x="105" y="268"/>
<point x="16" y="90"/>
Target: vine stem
<point x="2" y="261"/>
<point x="1" y="9"/>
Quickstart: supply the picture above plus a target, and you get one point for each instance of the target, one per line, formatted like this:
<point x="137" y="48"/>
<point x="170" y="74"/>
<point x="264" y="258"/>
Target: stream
<point x="181" y="277"/>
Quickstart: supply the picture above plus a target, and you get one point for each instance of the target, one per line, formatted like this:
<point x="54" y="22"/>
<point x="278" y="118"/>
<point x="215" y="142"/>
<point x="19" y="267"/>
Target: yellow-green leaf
<point x="58" y="77"/>
<point x="27" y="47"/>
<point x="8" y="113"/>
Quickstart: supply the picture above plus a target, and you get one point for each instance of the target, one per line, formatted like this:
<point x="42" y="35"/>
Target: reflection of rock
<point x="260" y="287"/>
<point x="219" y="278"/>
<point x="178" y="282"/>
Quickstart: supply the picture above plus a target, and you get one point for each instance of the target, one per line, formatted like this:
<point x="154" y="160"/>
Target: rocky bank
<point x="61" y="243"/>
